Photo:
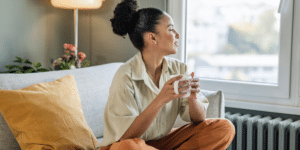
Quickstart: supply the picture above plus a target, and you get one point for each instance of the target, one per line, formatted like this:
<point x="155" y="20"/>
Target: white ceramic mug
<point x="184" y="78"/>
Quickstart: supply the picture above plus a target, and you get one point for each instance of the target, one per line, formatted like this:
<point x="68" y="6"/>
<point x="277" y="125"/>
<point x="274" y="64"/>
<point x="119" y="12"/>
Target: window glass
<point x="233" y="39"/>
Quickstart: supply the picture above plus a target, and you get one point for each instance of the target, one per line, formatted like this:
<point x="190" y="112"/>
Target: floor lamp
<point x="77" y="4"/>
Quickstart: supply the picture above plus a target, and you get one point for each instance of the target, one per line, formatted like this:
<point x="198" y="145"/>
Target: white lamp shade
<point x="77" y="4"/>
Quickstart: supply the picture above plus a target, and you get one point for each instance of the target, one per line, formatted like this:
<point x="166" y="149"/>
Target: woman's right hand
<point x="167" y="93"/>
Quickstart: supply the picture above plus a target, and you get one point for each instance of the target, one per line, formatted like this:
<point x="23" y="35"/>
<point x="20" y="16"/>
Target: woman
<point x="142" y="105"/>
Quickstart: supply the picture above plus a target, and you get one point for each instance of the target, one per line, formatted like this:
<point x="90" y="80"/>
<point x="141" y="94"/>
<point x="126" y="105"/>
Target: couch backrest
<point x="216" y="107"/>
<point x="93" y="84"/>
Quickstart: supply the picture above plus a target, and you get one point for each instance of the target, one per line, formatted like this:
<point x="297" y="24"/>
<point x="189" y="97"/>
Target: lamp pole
<point x="76" y="34"/>
<point x="77" y="4"/>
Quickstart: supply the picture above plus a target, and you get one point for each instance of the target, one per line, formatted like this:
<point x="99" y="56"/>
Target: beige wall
<point x="36" y="30"/>
<point x="32" y="29"/>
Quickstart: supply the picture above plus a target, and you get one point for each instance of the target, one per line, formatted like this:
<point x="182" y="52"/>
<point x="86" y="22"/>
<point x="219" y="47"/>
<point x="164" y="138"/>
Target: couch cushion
<point x="93" y="84"/>
<point x="100" y="140"/>
<point x="7" y="139"/>
<point x="216" y="107"/>
<point x="47" y="116"/>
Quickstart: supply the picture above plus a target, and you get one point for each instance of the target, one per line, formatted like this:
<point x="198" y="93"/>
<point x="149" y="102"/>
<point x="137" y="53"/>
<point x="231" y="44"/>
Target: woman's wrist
<point x="192" y="98"/>
<point x="159" y="103"/>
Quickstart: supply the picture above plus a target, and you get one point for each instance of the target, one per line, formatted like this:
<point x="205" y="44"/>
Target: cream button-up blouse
<point x="132" y="90"/>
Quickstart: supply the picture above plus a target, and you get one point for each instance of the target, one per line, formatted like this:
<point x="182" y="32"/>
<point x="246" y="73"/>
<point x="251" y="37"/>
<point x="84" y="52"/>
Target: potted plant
<point x="25" y="66"/>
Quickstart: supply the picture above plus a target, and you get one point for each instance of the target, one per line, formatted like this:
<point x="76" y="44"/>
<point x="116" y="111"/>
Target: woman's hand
<point x="167" y="93"/>
<point x="195" y="86"/>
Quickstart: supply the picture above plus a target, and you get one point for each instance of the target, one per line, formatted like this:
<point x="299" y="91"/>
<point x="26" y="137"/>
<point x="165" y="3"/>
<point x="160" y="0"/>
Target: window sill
<point x="263" y="107"/>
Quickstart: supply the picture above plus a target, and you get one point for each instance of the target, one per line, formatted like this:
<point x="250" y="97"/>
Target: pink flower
<point x="70" y="47"/>
<point x="66" y="46"/>
<point x="81" y="56"/>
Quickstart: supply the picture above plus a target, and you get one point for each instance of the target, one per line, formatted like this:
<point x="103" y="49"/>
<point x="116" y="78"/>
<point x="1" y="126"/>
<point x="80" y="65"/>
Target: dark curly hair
<point x="128" y="19"/>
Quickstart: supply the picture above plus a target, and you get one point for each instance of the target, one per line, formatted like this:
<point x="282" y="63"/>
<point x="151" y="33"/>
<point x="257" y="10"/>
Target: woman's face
<point x="166" y="37"/>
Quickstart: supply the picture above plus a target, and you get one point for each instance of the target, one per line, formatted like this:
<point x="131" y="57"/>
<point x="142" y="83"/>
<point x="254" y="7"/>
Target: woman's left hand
<point x="195" y="86"/>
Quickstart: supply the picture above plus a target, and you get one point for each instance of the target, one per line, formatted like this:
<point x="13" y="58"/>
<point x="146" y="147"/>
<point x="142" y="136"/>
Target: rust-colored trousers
<point x="211" y="134"/>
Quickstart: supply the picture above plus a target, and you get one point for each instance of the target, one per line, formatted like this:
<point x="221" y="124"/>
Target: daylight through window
<point x="233" y="39"/>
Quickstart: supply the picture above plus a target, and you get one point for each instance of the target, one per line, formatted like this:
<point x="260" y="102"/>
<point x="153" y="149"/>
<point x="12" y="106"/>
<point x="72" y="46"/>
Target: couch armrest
<point x="216" y="107"/>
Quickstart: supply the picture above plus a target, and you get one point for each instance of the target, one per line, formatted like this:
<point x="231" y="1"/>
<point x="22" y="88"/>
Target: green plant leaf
<point x="37" y="65"/>
<point x="29" y="70"/>
<point x="64" y="66"/>
<point x="19" y="60"/>
<point x="57" y="67"/>
<point x="42" y="70"/>
<point x="14" y="66"/>
<point x="7" y="67"/>
<point x="21" y="69"/>
<point x="10" y="71"/>
<point x="25" y="68"/>
<point x="86" y="63"/>
<point x="28" y="62"/>
<point x="10" y="67"/>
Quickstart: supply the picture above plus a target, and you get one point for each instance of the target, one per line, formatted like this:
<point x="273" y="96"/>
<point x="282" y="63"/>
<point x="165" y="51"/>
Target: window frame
<point x="251" y="92"/>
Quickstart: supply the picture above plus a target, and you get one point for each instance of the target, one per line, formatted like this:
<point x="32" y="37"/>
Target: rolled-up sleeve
<point x="184" y="104"/>
<point x="121" y="109"/>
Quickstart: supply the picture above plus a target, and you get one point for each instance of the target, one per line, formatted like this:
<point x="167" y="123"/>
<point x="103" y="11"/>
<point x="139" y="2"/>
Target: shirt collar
<point x="139" y="68"/>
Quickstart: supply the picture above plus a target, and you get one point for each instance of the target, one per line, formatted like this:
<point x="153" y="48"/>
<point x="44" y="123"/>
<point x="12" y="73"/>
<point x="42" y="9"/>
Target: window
<point x="233" y="40"/>
<point x="239" y="46"/>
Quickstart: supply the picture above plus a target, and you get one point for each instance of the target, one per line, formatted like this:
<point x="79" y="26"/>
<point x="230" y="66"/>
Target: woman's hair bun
<point x="123" y="15"/>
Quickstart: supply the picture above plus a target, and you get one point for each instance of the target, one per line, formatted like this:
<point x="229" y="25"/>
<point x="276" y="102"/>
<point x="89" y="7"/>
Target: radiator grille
<point x="264" y="133"/>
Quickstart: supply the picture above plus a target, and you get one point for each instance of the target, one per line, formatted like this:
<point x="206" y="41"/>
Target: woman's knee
<point x="132" y="144"/>
<point x="127" y="144"/>
<point x="227" y="126"/>
<point x="217" y="130"/>
<point x="220" y="124"/>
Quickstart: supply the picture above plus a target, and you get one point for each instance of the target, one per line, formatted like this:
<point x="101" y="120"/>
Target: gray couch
<point x="93" y="85"/>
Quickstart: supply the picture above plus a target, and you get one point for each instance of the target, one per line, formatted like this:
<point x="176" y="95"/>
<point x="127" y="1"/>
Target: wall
<point x="97" y="39"/>
<point x="32" y="29"/>
<point x="35" y="30"/>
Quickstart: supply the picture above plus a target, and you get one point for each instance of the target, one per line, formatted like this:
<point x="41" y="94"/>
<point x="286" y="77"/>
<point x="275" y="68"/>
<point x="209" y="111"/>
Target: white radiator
<point x="264" y="133"/>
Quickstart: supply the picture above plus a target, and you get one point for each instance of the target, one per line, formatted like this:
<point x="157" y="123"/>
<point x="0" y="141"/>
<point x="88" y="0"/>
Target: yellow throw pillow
<point x="47" y="116"/>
